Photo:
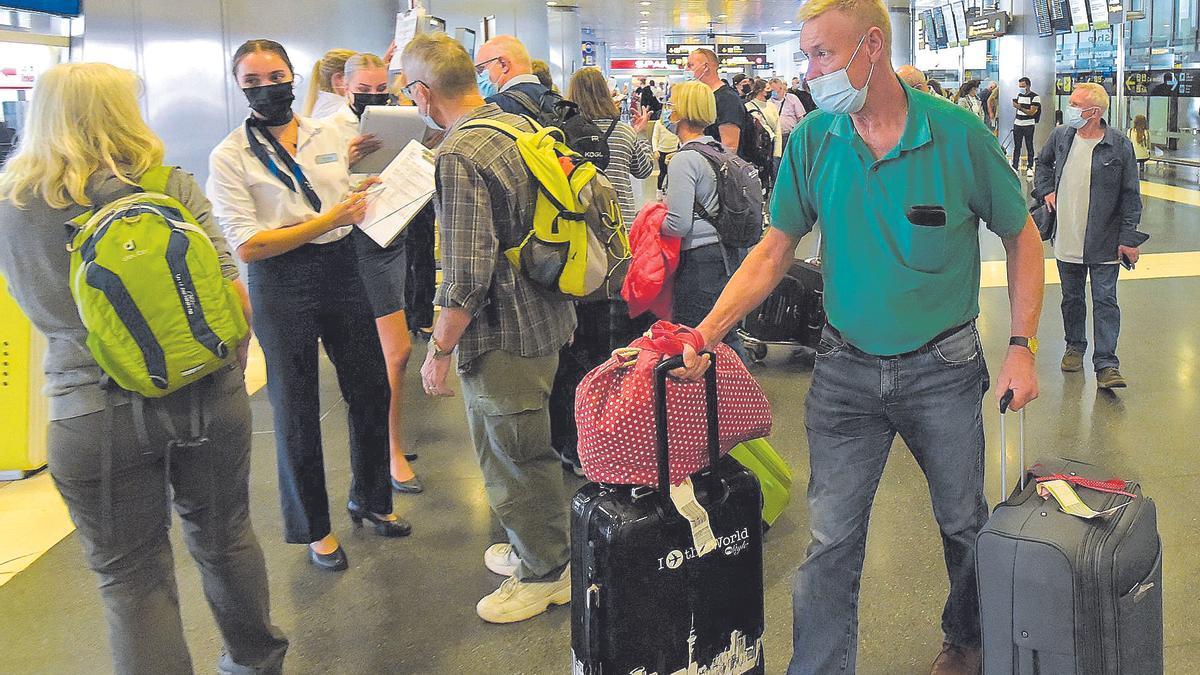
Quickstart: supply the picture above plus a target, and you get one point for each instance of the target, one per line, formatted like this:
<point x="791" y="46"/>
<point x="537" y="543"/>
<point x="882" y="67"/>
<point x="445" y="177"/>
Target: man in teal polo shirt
<point x="901" y="354"/>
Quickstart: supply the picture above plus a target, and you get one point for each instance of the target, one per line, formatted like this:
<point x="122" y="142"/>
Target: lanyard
<point x="256" y="147"/>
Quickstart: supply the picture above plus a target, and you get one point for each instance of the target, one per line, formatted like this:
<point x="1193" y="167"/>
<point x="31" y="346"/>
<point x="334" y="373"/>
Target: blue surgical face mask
<point x="1073" y="117"/>
<point x="487" y="88"/>
<point x="834" y="93"/>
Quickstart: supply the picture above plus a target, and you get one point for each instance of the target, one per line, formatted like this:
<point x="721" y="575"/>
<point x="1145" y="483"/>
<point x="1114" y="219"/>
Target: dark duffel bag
<point x="640" y="596"/>
<point x="1068" y="595"/>
<point x="794" y="313"/>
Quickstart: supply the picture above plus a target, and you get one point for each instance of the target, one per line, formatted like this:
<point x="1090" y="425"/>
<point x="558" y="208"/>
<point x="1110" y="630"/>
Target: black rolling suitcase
<point x="641" y="600"/>
<point x="1063" y="595"/>
<point x="793" y="314"/>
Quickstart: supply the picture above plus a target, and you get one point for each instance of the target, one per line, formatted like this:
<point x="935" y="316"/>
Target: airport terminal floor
<point x="407" y="605"/>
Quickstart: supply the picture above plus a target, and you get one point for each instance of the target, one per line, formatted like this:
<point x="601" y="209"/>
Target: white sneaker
<point x="501" y="559"/>
<point x="1029" y="173"/>
<point x="517" y="600"/>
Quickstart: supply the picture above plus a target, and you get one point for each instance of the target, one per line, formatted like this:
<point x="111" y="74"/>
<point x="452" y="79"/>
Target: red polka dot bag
<point x="614" y="410"/>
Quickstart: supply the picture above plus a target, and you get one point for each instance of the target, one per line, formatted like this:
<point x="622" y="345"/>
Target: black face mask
<point x="361" y="101"/>
<point x="272" y="101"/>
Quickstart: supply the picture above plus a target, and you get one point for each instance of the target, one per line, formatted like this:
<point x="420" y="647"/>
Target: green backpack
<point x="148" y="285"/>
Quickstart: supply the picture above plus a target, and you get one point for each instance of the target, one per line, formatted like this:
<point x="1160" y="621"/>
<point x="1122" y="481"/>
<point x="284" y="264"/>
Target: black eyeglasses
<point x="479" y="67"/>
<point x="408" y="91"/>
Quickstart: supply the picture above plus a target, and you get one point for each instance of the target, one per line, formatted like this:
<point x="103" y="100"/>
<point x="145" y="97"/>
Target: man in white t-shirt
<point x="1088" y="175"/>
<point x="1029" y="110"/>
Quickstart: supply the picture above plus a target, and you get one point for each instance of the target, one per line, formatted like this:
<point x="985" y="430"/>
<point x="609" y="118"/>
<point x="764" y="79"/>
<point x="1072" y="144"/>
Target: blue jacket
<point x="1115" y="206"/>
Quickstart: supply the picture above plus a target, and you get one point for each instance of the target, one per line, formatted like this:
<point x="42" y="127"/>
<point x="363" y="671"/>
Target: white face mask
<point x="834" y="93"/>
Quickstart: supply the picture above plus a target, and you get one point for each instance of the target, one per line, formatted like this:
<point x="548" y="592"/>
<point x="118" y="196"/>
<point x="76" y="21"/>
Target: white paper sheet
<point x="406" y="186"/>
<point x="406" y="30"/>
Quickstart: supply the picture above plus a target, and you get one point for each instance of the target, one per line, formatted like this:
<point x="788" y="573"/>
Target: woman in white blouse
<point x="280" y="187"/>
<point x="384" y="269"/>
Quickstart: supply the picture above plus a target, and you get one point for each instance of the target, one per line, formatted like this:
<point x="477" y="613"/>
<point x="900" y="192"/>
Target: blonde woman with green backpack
<point x="155" y="307"/>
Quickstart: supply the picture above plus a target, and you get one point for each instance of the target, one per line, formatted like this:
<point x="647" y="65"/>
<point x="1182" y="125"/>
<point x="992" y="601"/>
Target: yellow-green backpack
<point x="148" y="285"/>
<point x="578" y="246"/>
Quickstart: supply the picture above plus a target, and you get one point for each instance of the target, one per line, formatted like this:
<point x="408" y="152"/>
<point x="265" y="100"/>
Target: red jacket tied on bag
<point x="652" y="270"/>
<point x="614" y="410"/>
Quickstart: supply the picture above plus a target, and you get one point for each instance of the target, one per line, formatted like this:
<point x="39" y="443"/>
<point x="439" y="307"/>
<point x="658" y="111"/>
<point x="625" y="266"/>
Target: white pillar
<point x="565" y="40"/>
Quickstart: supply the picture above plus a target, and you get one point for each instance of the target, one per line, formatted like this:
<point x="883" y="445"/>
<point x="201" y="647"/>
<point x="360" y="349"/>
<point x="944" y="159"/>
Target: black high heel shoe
<point x="384" y="528"/>
<point x="332" y="562"/>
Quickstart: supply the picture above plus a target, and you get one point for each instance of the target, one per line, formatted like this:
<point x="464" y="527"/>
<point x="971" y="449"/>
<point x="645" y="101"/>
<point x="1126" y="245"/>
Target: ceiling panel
<point x="621" y="23"/>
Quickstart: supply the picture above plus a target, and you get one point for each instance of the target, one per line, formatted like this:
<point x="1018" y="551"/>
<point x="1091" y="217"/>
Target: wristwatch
<point x="1030" y="343"/>
<point x="438" y="352"/>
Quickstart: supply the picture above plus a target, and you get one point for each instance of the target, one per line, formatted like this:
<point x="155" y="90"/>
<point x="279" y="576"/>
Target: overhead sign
<point x="987" y="26"/>
<point x="1079" y="15"/>
<point x="639" y="64"/>
<point x="1163" y="83"/>
<point x="685" y="48"/>
<point x="740" y="49"/>
<point x="959" y="12"/>
<point x="733" y="61"/>
<point x="1099" y="12"/>
<point x="940" y="41"/>
<point x="60" y="7"/>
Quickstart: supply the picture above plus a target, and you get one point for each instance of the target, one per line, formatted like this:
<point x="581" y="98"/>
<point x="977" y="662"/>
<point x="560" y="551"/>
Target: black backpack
<point x="739" y="216"/>
<point x="582" y="134"/>
<point x="756" y="145"/>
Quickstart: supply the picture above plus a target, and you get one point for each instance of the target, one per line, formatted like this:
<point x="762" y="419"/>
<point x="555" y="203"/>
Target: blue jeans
<point x="1106" y="315"/>
<point x="699" y="280"/>
<point x="855" y="408"/>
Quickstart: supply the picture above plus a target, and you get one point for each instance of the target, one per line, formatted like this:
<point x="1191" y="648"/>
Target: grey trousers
<point x="124" y="532"/>
<point x="507" y="398"/>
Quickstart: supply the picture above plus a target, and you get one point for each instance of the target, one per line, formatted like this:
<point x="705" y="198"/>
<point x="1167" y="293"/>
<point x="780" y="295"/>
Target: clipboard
<point x="394" y="126"/>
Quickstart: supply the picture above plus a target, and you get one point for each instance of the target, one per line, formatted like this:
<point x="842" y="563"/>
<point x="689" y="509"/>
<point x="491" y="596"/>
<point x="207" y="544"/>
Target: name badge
<point x="325" y="159"/>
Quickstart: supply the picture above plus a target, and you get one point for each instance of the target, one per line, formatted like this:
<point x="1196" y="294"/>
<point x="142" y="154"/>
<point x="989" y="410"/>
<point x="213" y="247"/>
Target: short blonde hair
<point x="84" y="117"/>
<point x="1095" y="94"/>
<point x="695" y="103"/>
<point x="869" y="13"/>
<point x="441" y="63"/>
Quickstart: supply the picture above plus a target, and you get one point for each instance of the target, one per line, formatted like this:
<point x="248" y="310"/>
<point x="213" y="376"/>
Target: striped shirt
<point x="628" y="158"/>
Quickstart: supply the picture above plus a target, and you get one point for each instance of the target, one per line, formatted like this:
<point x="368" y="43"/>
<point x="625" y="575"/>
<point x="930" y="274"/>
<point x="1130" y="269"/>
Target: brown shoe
<point x="1072" y="361"/>
<point x="956" y="660"/>
<point x="1109" y="378"/>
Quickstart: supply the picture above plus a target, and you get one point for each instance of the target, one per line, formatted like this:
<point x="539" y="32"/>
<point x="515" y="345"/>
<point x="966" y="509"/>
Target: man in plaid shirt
<point x="507" y="335"/>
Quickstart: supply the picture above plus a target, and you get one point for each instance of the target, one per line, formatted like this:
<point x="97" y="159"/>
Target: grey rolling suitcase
<point x="1059" y="594"/>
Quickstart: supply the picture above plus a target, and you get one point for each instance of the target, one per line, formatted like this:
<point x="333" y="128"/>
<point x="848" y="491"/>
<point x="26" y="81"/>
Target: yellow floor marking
<point x="1150" y="266"/>
<point x="1171" y="193"/>
<point x="33" y="518"/>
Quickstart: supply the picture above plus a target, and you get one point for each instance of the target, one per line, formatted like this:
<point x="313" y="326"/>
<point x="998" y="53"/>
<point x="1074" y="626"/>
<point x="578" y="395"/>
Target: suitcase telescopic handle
<point x="661" y="372"/>
<point x="1005" y="401"/>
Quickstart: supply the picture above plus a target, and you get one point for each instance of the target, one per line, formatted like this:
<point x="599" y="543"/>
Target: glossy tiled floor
<point x="406" y="606"/>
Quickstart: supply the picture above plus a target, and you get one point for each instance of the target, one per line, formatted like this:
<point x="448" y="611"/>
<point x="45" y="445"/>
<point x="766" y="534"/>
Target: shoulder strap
<point x="525" y="101"/>
<point x="155" y="179"/>
<point x="495" y="125"/>
<point x="611" y="128"/>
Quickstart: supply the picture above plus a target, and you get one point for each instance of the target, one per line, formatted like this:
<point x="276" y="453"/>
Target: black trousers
<point x="663" y="157"/>
<point x="1022" y="134"/>
<point x="309" y="294"/>
<point x="422" y="271"/>
<point x="602" y="327"/>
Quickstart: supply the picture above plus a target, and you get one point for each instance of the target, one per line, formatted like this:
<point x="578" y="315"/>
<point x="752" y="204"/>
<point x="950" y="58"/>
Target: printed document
<point x="406" y="186"/>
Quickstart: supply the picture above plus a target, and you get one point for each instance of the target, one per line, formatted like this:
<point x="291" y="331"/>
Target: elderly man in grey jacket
<point x="1088" y="176"/>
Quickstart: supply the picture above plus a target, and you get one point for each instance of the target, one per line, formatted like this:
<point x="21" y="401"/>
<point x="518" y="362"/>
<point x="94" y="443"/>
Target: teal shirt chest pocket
<point x="922" y="243"/>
